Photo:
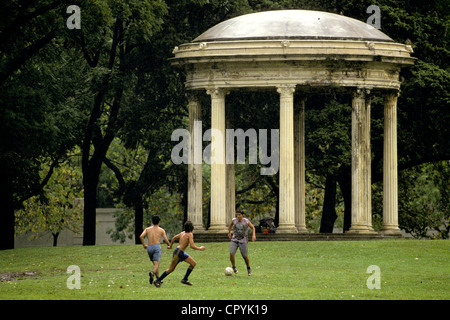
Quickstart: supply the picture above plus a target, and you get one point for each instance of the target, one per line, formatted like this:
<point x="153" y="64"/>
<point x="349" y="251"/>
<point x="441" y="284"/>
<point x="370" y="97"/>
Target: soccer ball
<point x="228" y="271"/>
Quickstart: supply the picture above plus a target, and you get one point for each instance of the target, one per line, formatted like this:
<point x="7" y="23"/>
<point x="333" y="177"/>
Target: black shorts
<point x="180" y="254"/>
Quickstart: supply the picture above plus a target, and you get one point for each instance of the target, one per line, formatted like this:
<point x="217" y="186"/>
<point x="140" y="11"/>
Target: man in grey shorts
<point x="240" y="226"/>
<point x="154" y="234"/>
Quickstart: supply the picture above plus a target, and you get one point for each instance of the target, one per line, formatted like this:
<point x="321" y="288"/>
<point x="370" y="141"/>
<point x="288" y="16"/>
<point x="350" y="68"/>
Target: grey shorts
<point x="154" y="252"/>
<point x="243" y="247"/>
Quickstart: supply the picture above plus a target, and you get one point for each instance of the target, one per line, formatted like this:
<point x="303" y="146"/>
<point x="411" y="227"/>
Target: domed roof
<point x="292" y="24"/>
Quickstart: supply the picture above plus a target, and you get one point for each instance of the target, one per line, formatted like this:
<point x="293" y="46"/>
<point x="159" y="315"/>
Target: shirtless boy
<point x="154" y="234"/>
<point x="186" y="238"/>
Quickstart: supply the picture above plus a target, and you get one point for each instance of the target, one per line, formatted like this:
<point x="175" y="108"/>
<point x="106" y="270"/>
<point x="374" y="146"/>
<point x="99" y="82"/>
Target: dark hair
<point x="155" y="220"/>
<point x="188" y="226"/>
<point x="240" y="211"/>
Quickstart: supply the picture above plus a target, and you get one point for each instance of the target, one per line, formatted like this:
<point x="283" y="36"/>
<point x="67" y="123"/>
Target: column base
<point x="302" y="229"/>
<point x="391" y="230"/>
<point x="217" y="229"/>
<point x="360" y="230"/>
<point x="199" y="229"/>
<point x="287" y="228"/>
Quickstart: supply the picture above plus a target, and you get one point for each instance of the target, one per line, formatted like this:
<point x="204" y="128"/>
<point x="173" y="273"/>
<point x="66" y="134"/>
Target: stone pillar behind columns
<point x="195" y="186"/>
<point x="286" y="179"/>
<point x="360" y="160"/>
<point x="390" y="179"/>
<point x="218" y="166"/>
<point x="299" y="177"/>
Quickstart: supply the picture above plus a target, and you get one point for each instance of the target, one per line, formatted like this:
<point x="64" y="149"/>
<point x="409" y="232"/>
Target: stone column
<point x="368" y="163"/>
<point x="231" y="175"/>
<point x="195" y="186"/>
<point x="299" y="177"/>
<point x="360" y="163"/>
<point x="286" y="178"/>
<point x="218" y="166"/>
<point x="390" y="182"/>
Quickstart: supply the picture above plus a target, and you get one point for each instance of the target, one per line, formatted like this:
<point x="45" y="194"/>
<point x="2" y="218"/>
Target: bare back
<point x="154" y="234"/>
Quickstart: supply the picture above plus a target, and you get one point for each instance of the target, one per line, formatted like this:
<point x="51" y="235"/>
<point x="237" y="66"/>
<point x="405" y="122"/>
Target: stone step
<point x="223" y="237"/>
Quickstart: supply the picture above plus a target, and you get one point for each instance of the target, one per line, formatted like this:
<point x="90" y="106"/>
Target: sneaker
<point x="249" y="270"/>
<point x="235" y="269"/>
<point x="186" y="282"/>
<point x="151" y="274"/>
<point x="157" y="283"/>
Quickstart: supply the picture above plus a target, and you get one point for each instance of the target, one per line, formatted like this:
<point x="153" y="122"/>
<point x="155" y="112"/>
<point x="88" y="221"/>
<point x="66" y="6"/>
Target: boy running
<point x="186" y="238"/>
<point x="154" y="234"/>
<point x="240" y="226"/>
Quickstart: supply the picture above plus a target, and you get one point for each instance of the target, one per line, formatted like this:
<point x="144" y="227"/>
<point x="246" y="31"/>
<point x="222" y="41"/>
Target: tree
<point x="328" y="145"/>
<point x="110" y="35"/>
<point x="39" y="119"/>
<point x="60" y="205"/>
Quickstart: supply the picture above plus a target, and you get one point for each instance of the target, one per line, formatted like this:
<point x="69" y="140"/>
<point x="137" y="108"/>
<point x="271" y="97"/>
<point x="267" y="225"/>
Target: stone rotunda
<point x="294" y="52"/>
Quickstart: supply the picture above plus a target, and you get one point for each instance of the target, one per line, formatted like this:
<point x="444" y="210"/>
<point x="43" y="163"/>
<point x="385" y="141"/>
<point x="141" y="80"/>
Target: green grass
<point x="410" y="269"/>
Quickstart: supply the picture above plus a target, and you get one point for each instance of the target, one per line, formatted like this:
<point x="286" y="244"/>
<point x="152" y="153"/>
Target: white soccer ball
<point x="228" y="271"/>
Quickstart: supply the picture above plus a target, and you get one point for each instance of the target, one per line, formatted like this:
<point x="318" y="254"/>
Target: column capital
<point x="217" y="93"/>
<point x="286" y="89"/>
<point x="361" y="92"/>
<point x="192" y="95"/>
<point x="392" y="94"/>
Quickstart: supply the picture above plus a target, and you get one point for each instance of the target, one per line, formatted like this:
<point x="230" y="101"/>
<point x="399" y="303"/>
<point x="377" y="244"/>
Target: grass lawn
<point x="409" y="269"/>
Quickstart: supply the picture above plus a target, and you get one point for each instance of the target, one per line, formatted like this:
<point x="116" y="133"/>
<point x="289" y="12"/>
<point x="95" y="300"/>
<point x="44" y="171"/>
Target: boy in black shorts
<point x="186" y="238"/>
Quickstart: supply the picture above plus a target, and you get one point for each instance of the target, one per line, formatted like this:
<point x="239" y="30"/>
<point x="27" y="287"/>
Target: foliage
<point x="111" y="37"/>
<point x="58" y="208"/>
<point x="328" y="142"/>
<point x="259" y="198"/>
<point x="423" y="132"/>
<point x="162" y="203"/>
<point x="40" y="114"/>
<point x="424" y="209"/>
<point x="423" y="205"/>
<point x="123" y="218"/>
<point x="168" y="206"/>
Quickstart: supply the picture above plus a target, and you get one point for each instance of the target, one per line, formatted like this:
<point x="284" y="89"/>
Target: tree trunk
<point x="138" y="218"/>
<point x="91" y="174"/>
<point x="6" y="214"/>
<point x="276" y="220"/>
<point x="90" y="204"/>
<point x="329" y="205"/>
<point x="55" y="239"/>
<point x="344" y="179"/>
